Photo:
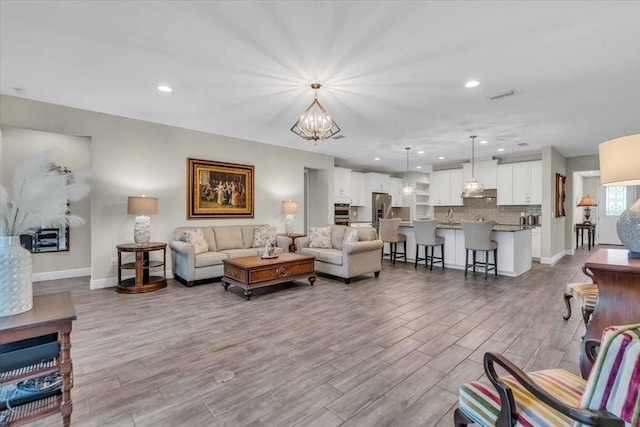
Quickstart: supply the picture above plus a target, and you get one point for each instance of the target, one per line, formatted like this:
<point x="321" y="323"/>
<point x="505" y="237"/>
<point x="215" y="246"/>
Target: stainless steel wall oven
<point x="341" y="213"/>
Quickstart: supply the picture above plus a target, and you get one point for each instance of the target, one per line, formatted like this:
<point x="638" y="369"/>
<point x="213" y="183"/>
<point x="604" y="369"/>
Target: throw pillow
<point x="261" y="234"/>
<point x="196" y="239"/>
<point x="320" y="237"/>
<point x="350" y="237"/>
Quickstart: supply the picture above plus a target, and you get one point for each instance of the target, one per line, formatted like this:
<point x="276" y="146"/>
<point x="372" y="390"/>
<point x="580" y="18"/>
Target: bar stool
<point x="389" y="234"/>
<point x="477" y="237"/>
<point x="425" y="232"/>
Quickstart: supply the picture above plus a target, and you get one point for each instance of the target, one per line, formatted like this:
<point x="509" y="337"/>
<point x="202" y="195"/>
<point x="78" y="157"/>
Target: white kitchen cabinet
<point x="536" y="239"/>
<point x="357" y="189"/>
<point x="341" y="185"/>
<point x="395" y="189"/>
<point x="505" y="185"/>
<point x="485" y="171"/>
<point x="535" y="183"/>
<point x="446" y="188"/>
<point x="520" y="183"/>
<point x="377" y="182"/>
<point x="527" y="183"/>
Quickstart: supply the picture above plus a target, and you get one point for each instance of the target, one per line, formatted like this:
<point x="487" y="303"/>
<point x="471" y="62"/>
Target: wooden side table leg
<point x="138" y="279"/>
<point x="66" y="368"/>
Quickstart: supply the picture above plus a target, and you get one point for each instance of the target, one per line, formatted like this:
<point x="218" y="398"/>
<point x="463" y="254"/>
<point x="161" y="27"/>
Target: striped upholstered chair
<point x="585" y="293"/>
<point x="555" y="397"/>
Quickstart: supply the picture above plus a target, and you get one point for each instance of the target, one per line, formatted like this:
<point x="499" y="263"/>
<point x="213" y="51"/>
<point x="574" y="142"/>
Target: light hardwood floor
<point x="377" y="352"/>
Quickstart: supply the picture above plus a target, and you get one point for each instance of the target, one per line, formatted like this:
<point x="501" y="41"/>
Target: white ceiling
<point x="393" y="73"/>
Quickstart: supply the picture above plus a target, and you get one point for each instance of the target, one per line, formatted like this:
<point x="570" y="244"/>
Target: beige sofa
<point x="223" y="242"/>
<point x="346" y="260"/>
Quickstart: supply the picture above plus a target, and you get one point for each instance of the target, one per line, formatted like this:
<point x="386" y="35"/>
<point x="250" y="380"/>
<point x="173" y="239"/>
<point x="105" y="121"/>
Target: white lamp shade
<point x="620" y="161"/>
<point x="142" y="206"/>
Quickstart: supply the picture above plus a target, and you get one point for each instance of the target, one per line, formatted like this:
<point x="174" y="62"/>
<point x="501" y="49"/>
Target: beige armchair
<point x="346" y="260"/>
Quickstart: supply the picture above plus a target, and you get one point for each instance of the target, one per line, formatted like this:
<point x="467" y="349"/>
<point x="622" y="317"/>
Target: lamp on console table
<point x="620" y="165"/>
<point x="289" y="208"/>
<point x="586" y="202"/>
<point x="142" y="206"/>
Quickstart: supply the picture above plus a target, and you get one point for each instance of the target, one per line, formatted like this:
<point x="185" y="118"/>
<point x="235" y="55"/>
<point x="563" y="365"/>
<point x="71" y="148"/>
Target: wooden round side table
<point x="143" y="280"/>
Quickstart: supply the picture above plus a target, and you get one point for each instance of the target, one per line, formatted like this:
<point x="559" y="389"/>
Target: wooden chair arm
<point x="590" y="349"/>
<point x="507" y="415"/>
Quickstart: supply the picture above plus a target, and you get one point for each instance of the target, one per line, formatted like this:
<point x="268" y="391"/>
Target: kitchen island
<point x="514" y="246"/>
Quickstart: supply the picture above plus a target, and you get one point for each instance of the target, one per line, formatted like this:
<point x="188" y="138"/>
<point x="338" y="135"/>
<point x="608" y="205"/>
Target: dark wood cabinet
<point x="51" y="316"/>
<point x="618" y="279"/>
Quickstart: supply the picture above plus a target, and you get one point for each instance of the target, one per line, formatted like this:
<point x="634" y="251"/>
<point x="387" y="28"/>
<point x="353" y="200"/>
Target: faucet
<point x="450" y="216"/>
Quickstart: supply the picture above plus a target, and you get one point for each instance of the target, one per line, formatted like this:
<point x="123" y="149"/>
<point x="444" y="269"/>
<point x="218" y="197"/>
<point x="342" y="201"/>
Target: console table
<point x="51" y="314"/>
<point x="618" y="279"/>
<point x="143" y="280"/>
<point x="591" y="234"/>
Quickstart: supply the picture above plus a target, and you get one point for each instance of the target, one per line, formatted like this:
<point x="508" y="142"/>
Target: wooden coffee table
<point x="253" y="272"/>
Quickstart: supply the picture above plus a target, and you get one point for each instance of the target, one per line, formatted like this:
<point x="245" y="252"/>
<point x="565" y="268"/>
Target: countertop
<point x="458" y="226"/>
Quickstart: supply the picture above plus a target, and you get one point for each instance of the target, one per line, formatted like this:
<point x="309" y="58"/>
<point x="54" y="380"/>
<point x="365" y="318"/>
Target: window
<point x="615" y="199"/>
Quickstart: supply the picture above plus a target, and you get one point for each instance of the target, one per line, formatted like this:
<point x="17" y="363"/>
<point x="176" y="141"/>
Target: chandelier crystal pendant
<point x="315" y="123"/>
<point x="473" y="185"/>
<point x="407" y="189"/>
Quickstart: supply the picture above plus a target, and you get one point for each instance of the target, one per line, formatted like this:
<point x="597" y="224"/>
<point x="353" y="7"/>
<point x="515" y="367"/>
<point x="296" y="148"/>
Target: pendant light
<point x="473" y="185"/>
<point x="315" y="123"/>
<point x="407" y="189"/>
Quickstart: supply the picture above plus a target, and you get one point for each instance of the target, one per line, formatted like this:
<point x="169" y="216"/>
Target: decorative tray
<point x="269" y="256"/>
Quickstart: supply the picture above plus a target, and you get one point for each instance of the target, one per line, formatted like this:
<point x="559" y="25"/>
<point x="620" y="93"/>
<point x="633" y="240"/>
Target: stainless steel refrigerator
<point x="381" y="207"/>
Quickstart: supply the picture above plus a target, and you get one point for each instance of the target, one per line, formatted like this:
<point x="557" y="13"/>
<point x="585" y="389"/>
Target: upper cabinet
<point x="377" y="182"/>
<point x="485" y="171"/>
<point x="341" y="185"/>
<point x="446" y="188"/>
<point x="395" y="189"/>
<point x="357" y="189"/>
<point x="520" y="184"/>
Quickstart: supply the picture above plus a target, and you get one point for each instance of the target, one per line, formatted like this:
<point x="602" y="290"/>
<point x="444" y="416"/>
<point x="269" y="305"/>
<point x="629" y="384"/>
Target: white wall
<point x="553" y="230"/>
<point x="72" y="152"/>
<point x="132" y="157"/>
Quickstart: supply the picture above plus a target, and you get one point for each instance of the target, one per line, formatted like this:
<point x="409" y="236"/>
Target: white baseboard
<point x="557" y="257"/>
<point x="62" y="274"/>
<point x="111" y="282"/>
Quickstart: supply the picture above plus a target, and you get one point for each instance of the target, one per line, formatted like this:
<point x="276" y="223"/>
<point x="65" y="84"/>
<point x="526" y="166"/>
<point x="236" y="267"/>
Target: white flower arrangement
<point x="39" y="195"/>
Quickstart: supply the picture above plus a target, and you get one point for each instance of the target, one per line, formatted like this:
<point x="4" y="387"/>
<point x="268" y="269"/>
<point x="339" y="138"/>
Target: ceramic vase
<point x="16" y="288"/>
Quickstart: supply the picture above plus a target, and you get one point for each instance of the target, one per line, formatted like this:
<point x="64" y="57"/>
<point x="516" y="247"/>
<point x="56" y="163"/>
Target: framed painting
<point x="219" y="189"/>
<point x="561" y="195"/>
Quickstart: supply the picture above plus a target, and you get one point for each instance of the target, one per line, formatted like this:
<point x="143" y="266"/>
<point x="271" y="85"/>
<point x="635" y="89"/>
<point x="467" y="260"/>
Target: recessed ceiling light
<point x="376" y="159"/>
<point x="163" y="88"/>
<point x="472" y="83"/>
<point x="418" y="167"/>
<point x="500" y="149"/>
<point x="483" y="142"/>
<point x="441" y="158"/>
<point x="421" y="152"/>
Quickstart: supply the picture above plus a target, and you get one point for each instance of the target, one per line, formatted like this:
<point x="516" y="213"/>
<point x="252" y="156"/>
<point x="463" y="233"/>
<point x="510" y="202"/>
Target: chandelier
<point x="473" y="185"/>
<point x="407" y="189"/>
<point x="315" y="123"/>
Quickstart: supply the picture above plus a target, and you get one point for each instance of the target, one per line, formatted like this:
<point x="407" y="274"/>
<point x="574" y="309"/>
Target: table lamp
<point x="142" y="206"/>
<point x="289" y="208"/>
<point x="586" y="202"/>
<point x="620" y="165"/>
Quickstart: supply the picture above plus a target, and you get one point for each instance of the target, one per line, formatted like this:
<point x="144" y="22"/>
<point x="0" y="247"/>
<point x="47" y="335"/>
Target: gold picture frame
<point x="219" y="189"/>
<point x="561" y="195"/>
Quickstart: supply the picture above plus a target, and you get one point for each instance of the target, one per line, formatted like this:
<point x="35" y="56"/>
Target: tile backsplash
<point x="487" y="209"/>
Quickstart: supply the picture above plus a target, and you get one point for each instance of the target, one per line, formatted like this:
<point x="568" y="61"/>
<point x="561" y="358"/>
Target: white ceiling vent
<point x="501" y="94"/>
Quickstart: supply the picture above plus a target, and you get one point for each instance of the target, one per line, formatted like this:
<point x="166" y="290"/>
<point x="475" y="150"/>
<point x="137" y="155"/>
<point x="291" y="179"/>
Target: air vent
<point x="522" y="144"/>
<point x="501" y="94"/>
<point x="338" y="137"/>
